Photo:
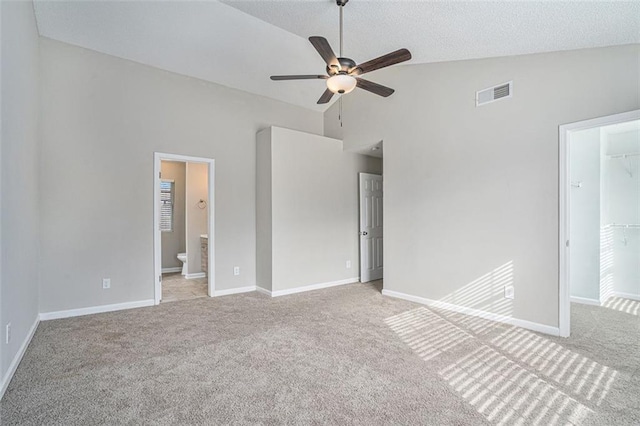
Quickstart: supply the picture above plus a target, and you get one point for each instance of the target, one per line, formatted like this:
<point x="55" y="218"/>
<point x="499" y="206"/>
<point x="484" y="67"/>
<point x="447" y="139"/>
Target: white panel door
<point x="370" y="227"/>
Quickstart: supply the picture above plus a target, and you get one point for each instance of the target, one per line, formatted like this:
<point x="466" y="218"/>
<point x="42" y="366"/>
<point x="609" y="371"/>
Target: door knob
<point x="364" y="233"/>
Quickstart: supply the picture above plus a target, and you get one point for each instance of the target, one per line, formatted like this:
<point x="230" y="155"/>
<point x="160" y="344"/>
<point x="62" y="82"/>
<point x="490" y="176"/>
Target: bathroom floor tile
<point x="176" y="287"/>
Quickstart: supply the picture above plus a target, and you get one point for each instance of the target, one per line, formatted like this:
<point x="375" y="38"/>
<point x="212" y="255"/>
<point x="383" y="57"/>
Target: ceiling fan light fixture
<point x="343" y="74"/>
<point x="341" y="83"/>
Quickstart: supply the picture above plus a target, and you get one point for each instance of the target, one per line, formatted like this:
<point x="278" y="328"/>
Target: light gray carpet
<point x="345" y="355"/>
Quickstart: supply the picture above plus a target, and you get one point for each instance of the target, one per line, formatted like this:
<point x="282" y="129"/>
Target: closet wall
<point x="605" y="213"/>
<point x="621" y="207"/>
<point x="585" y="214"/>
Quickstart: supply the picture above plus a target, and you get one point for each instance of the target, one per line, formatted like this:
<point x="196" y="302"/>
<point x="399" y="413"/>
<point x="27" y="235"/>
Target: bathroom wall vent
<point x="495" y="93"/>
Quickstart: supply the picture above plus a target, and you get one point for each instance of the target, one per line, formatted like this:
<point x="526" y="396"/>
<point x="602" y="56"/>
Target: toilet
<point x="182" y="257"/>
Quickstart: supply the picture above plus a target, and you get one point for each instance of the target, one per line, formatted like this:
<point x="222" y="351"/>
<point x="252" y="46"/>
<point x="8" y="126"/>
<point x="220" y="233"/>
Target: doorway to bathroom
<point x="183" y="207"/>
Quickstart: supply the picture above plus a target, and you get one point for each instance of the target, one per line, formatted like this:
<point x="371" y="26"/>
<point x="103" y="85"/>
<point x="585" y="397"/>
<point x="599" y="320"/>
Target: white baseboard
<point x="95" y="310"/>
<point x="627" y="295"/>
<point x="309" y="287"/>
<point x="585" y="301"/>
<point x="541" y="328"/>
<point x="263" y="291"/>
<point x="16" y="359"/>
<point x="196" y="275"/>
<point x="173" y="269"/>
<point x="247" y="289"/>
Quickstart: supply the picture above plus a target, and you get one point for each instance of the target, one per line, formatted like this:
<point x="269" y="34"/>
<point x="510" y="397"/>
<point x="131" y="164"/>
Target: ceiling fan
<point x="343" y="74"/>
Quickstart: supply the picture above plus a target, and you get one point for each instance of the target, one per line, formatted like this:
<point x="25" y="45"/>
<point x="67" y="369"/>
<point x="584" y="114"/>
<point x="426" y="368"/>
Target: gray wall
<point x="470" y="190"/>
<point x="175" y="242"/>
<point x="197" y="218"/>
<point x="314" y="208"/>
<point x="264" y="222"/>
<point x="99" y="110"/>
<point x="584" y="149"/>
<point x="19" y="177"/>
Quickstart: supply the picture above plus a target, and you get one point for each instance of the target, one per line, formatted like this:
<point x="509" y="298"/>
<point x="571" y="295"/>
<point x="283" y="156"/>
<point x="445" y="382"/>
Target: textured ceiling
<point x="240" y="43"/>
<point x="437" y="31"/>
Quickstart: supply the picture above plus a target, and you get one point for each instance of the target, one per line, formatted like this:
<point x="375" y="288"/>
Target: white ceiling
<point x="241" y="43"/>
<point x="436" y="31"/>
<point x="372" y="150"/>
<point x="207" y="40"/>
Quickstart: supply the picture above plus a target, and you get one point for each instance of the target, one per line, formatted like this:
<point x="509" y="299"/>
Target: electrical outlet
<point x="508" y="292"/>
<point x="236" y="270"/>
<point x="7" y="335"/>
<point x="106" y="283"/>
<point x="348" y="264"/>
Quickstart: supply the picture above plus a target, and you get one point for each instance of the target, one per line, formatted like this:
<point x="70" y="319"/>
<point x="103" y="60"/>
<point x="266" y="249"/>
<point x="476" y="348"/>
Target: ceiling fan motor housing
<point x="345" y="65"/>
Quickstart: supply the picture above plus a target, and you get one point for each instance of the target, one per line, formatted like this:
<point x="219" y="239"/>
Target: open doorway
<point x="183" y="227"/>
<point x="600" y="215"/>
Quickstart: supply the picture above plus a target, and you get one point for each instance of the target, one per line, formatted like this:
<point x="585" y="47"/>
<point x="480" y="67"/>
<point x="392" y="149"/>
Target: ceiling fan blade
<point x="324" y="49"/>
<point x="297" y="77"/>
<point x="326" y="97"/>
<point x="389" y="59"/>
<point x="372" y="87"/>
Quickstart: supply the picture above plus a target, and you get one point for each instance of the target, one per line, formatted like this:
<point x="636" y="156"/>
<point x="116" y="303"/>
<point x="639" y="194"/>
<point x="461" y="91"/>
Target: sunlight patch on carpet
<point x="426" y="333"/>
<point x="627" y="306"/>
<point x="580" y="375"/>
<point x="508" y="394"/>
<point x="516" y="377"/>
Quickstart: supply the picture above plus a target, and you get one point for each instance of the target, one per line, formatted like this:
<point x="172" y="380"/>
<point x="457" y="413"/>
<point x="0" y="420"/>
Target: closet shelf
<point x="624" y="225"/>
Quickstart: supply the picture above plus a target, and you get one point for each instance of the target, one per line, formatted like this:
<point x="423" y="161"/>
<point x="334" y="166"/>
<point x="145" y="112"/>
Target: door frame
<point x="360" y="176"/>
<point x="564" y="131"/>
<point x="158" y="157"/>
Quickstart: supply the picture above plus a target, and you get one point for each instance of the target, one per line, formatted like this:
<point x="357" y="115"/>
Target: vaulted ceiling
<point x="239" y="44"/>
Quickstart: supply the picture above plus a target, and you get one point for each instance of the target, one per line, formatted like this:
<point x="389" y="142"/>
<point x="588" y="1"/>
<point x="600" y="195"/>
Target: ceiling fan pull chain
<point x="340" y="110"/>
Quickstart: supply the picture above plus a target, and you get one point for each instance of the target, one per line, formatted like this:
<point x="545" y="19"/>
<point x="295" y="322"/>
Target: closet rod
<point x="630" y="154"/>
